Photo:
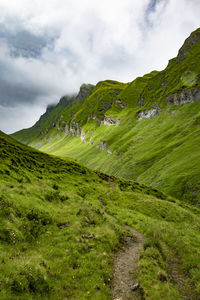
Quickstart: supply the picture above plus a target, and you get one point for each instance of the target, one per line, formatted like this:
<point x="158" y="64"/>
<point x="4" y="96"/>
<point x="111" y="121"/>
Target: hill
<point x="61" y="225"/>
<point x="146" y="130"/>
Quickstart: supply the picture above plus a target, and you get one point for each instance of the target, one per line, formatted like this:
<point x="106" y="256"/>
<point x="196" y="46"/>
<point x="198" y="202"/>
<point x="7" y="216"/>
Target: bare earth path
<point x="126" y="261"/>
<point x="125" y="266"/>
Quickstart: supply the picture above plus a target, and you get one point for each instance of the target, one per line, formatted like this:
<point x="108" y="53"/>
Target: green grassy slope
<point x="57" y="243"/>
<point x="162" y="150"/>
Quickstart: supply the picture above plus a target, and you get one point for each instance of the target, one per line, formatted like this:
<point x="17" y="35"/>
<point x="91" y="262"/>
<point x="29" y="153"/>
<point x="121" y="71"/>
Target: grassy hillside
<point x="161" y="151"/>
<point x="146" y="130"/>
<point x="58" y="243"/>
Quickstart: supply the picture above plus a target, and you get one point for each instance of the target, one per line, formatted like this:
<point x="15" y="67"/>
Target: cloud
<point x="49" y="49"/>
<point x="26" y="116"/>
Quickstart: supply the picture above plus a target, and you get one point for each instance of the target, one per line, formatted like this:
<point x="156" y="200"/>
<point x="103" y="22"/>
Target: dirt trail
<point x="126" y="261"/>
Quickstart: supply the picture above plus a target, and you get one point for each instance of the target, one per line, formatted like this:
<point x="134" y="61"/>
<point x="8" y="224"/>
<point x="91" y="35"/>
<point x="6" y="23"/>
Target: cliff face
<point x="188" y="96"/>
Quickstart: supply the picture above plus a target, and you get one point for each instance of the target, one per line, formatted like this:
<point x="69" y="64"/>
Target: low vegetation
<point x="57" y="242"/>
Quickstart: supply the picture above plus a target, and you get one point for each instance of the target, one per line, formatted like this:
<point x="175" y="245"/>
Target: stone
<point x="102" y="145"/>
<point x="83" y="135"/>
<point x="110" y="121"/>
<point x="120" y="103"/>
<point x="135" y="287"/>
<point x="63" y="225"/>
<point x="146" y="114"/>
<point x="184" y="97"/>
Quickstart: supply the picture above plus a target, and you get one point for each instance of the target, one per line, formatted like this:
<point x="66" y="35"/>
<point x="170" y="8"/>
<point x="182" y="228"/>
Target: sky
<point x="49" y="48"/>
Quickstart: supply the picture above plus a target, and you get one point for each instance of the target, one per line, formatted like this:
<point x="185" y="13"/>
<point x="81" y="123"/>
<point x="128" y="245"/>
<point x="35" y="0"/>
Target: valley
<point x="100" y="199"/>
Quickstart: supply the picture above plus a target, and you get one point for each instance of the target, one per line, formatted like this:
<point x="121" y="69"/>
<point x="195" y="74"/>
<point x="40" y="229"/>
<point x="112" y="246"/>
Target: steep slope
<point x="146" y="130"/>
<point x="61" y="225"/>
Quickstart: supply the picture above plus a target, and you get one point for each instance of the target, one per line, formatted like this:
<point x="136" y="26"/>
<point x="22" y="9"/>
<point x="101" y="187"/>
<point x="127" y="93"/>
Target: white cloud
<point x="89" y="41"/>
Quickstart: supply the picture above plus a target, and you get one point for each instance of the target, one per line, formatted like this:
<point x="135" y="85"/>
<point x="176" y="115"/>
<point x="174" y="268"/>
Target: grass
<point x="162" y="151"/>
<point x="57" y="243"/>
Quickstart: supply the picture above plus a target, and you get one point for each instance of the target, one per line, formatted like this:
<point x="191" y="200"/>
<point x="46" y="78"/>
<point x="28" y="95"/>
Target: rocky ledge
<point x="110" y="121"/>
<point x="184" y="97"/>
<point x="146" y="114"/>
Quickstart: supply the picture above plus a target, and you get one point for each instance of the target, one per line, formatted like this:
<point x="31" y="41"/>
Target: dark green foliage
<point x="31" y="280"/>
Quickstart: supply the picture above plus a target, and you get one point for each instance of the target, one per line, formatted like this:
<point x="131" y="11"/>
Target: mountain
<point x="61" y="225"/>
<point x="146" y="130"/>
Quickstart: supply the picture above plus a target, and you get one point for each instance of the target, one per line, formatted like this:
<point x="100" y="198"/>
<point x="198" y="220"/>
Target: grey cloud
<point x="154" y="7"/>
<point x="23" y="43"/>
<point x="11" y="95"/>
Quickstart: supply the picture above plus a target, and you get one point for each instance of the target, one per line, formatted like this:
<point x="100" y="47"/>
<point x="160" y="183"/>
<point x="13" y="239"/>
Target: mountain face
<point x="61" y="225"/>
<point x="146" y="130"/>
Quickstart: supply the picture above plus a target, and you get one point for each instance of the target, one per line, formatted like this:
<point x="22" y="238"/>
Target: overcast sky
<point x="49" y="48"/>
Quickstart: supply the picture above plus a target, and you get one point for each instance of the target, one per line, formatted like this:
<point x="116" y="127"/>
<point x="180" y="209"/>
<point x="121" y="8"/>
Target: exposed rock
<point x="83" y="135"/>
<point x="74" y="129"/>
<point x="102" y="145"/>
<point x="188" y="96"/>
<point x="88" y="236"/>
<point x="94" y="117"/>
<point x="135" y="287"/>
<point x="109" y="151"/>
<point x="146" y="114"/>
<point x="140" y="101"/>
<point x="66" y="129"/>
<point x="120" y="103"/>
<point x="110" y="121"/>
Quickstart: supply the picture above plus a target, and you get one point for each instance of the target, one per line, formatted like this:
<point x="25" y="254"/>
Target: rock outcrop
<point x="120" y="103"/>
<point x="83" y="135"/>
<point x="94" y="117"/>
<point x="102" y="145"/>
<point x="110" y="121"/>
<point x="146" y="114"/>
<point x="75" y="129"/>
<point x="184" y="97"/>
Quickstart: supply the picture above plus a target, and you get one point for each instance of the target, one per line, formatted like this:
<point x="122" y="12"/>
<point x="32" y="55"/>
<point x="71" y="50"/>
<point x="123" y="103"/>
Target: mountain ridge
<point x="138" y="130"/>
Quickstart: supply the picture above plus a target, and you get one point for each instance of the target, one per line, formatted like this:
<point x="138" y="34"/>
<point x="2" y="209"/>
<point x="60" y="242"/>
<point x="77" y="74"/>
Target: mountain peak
<point x="189" y="42"/>
<point x="85" y="90"/>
